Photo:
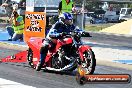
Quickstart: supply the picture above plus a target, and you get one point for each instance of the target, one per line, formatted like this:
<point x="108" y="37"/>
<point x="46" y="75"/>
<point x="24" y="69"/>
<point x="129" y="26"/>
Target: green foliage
<point x="90" y="5"/>
<point x="77" y="1"/>
<point x="94" y="28"/>
<point x="97" y="27"/>
<point x="129" y="5"/>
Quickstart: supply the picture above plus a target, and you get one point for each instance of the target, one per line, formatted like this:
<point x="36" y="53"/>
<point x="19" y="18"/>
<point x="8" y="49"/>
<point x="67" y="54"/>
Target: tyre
<point x="30" y="57"/>
<point x="90" y="62"/>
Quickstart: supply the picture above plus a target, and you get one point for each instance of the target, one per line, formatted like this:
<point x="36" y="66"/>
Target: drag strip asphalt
<point x="24" y="74"/>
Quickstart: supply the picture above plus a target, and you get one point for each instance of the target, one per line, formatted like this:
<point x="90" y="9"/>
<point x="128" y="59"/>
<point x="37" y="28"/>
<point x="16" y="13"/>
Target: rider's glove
<point x="86" y="34"/>
<point x="60" y="35"/>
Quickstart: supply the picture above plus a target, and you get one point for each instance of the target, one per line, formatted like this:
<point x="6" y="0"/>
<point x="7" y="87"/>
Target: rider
<point x="64" y="25"/>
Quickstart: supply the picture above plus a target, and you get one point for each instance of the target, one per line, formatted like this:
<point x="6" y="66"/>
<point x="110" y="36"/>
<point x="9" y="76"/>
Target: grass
<point x="97" y="27"/>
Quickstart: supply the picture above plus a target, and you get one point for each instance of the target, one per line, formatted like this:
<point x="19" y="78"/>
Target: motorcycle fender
<point x="82" y="49"/>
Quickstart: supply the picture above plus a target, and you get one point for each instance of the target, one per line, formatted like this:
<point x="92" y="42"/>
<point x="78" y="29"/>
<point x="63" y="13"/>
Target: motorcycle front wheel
<point x="89" y="62"/>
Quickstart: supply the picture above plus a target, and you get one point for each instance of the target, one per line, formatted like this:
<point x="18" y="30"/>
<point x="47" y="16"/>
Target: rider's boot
<point x="41" y="62"/>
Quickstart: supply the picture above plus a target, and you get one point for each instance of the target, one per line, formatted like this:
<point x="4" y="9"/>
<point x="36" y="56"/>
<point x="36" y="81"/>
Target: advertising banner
<point x="35" y="24"/>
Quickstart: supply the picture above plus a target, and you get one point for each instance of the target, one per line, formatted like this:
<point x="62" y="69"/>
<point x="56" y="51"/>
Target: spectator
<point x="65" y="6"/>
<point x="16" y="31"/>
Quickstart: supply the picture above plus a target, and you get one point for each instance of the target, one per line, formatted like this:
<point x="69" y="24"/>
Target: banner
<point x="35" y="24"/>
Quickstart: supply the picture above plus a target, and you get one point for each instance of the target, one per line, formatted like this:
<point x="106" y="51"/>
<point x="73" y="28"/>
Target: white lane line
<point x="11" y="84"/>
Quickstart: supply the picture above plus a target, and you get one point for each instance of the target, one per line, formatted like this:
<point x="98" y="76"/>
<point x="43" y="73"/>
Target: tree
<point x="90" y="5"/>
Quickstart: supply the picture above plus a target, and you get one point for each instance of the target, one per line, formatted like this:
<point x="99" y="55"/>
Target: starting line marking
<point x="11" y="84"/>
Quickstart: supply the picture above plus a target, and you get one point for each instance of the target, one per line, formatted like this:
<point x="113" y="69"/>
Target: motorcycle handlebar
<point x="83" y="34"/>
<point x="65" y="34"/>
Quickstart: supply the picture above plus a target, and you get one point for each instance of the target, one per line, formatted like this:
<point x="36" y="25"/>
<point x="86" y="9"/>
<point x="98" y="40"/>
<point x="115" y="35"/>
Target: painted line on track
<point x="123" y="61"/>
<point x="4" y="83"/>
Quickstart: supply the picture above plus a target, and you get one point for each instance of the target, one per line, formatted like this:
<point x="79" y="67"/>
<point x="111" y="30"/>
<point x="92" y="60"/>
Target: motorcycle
<point x="68" y="53"/>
